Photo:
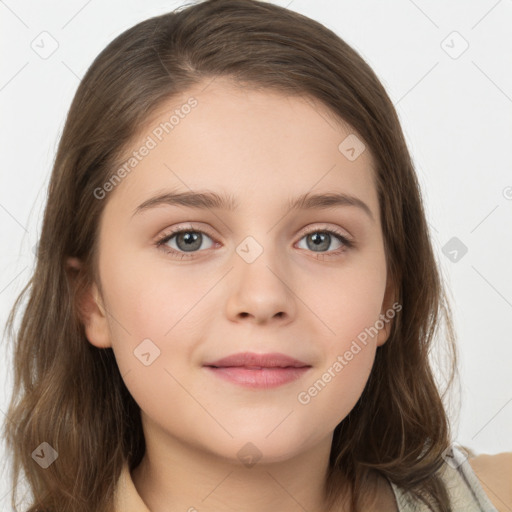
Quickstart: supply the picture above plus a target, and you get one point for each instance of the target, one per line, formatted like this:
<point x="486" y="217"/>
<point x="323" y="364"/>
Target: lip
<point x="253" y="370"/>
<point x="251" y="359"/>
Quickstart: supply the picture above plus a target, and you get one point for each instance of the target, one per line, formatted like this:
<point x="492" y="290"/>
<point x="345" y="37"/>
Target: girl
<point x="235" y="292"/>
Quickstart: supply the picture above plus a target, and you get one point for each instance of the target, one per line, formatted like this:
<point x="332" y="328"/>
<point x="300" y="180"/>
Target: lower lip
<point x="264" y="378"/>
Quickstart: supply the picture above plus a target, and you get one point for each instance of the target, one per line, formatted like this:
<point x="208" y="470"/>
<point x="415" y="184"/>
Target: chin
<point x="256" y="448"/>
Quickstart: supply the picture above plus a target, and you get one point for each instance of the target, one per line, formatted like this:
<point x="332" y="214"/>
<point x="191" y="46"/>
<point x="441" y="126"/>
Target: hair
<point x="398" y="428"/>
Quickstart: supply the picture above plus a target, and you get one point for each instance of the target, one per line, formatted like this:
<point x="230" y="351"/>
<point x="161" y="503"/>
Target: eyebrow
<point x="211" y="200"/>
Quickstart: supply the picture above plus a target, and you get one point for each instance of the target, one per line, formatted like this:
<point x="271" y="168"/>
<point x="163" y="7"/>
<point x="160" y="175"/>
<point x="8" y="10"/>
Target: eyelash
<point x="347" y="244"/>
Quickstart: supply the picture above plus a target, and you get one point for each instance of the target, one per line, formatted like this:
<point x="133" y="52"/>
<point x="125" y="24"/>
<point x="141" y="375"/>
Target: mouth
<point x="258" y="377"/>
<point x="258" y="361"/>
<point x="253" y="370"/>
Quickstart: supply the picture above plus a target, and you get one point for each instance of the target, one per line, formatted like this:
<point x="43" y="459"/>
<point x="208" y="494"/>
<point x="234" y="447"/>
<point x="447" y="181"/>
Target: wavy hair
<point x="398" y="428"/>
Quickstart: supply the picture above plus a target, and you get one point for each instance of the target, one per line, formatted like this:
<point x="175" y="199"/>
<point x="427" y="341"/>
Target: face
<point x="308" y="282"/>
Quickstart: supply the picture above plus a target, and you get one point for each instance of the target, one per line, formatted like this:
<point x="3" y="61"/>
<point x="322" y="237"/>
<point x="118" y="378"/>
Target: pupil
<point x="319" y="239"/>
<point x="192" y="240"/>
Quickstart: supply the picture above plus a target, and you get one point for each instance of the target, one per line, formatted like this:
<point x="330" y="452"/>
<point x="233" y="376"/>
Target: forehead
<point x="256" y="145"/>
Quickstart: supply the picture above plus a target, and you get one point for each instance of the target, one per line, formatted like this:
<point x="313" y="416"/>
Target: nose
<point x="259" y="286"/>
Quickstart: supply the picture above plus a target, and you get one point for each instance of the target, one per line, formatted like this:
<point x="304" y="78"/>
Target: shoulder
<point x="495" y="475"/>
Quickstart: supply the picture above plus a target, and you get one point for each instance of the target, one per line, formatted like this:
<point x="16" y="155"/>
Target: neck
<point x="175" y="476"/>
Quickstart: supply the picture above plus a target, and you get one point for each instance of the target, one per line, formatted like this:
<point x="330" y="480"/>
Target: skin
<point x="263" y="148"/>
<point x="495" y="475"/>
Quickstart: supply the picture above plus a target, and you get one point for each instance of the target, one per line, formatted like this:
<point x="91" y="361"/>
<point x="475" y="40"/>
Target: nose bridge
<point x="258" y="227"/>
<point x="250" y="249"/>
<point x="261" y="256"/>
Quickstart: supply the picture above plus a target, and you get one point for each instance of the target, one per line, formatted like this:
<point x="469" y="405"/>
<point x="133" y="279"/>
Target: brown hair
<point x="398" y="428"/>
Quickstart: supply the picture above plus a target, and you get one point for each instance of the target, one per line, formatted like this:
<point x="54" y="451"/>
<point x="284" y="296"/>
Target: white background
<point x="456" y="114"/>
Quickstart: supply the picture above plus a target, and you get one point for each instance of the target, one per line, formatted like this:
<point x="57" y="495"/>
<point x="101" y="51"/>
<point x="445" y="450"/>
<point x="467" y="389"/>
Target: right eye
<point x="185" y="241"/>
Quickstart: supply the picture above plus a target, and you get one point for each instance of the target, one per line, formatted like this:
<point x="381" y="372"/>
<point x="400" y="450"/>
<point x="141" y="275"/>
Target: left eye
<point x="321" y="240"/>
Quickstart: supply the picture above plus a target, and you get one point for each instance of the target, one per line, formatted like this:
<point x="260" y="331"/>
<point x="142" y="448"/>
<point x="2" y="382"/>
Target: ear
<point x="388" y="312"/>
<point x="91" y="310"/>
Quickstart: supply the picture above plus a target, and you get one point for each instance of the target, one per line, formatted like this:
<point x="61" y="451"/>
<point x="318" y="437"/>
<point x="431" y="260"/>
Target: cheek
<point x="154" y="331"/>
<point x="346" y="299"/>
<point x="349" y="309"/>
<point x="335" y="390"/>
<point x="348" y="357"/>
<point x="154" y="325"/>
<point x="149" y="303"/>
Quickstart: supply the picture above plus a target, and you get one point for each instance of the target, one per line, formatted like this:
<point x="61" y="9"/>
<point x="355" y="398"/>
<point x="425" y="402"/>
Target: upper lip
<point x="251" y="359"/>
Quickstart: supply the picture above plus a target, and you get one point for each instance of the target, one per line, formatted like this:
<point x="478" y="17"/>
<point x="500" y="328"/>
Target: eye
<point x="320" y="240"/>
<point x="186" y="241"/>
